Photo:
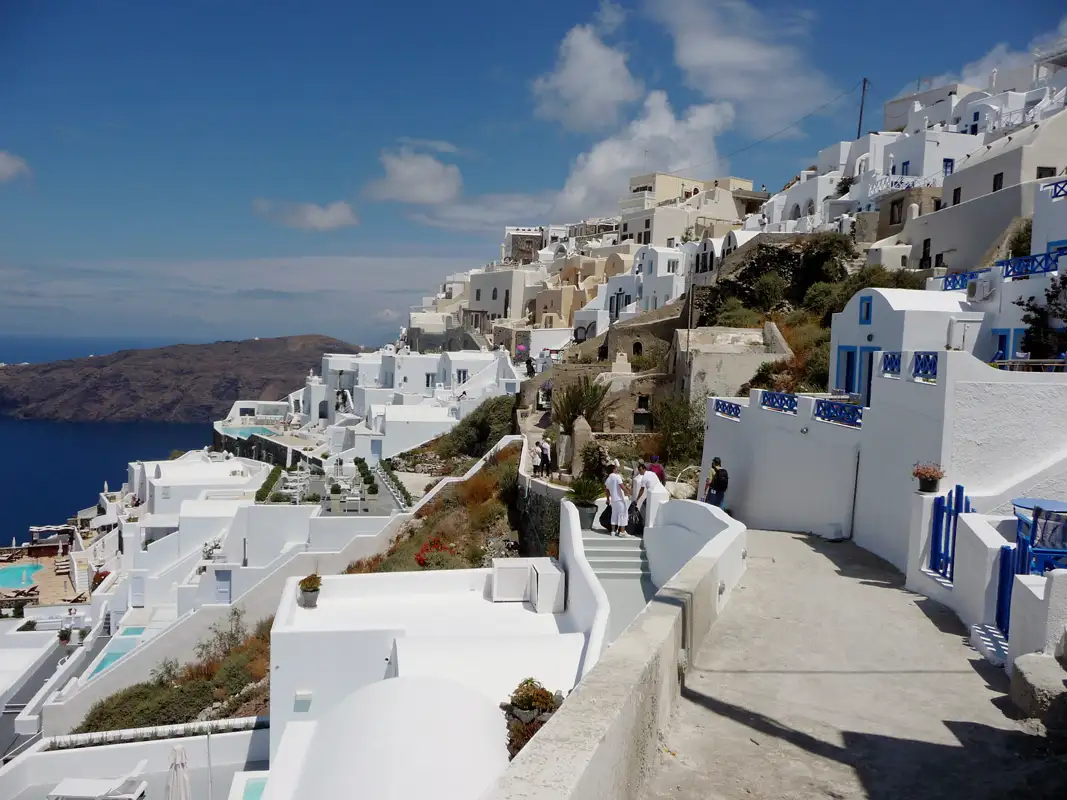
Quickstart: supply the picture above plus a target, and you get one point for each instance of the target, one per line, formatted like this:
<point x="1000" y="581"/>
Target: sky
<point x="204" y="170"/>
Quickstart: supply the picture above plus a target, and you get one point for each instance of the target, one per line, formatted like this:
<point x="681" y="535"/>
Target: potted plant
<point x="584" y="493"/>
<point x="929" y="476"/>
<point x="309" y="590"/>
<point x="64" y="635"/>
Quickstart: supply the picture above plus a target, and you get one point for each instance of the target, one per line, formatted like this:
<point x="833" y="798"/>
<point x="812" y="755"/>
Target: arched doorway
<point x="323" y="410"/>
<point x="638" y="349"/>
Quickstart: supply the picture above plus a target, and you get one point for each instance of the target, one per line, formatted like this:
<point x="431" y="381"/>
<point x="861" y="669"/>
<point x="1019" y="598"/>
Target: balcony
<point x="637" y="201"/>
<point x="887" y="184"/>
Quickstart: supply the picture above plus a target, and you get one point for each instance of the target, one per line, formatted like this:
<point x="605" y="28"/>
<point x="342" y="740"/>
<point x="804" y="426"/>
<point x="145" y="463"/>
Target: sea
<point x="50" y="470"/>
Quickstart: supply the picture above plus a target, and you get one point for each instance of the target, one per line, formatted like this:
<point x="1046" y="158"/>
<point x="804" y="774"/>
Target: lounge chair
<point x="30" y="591"/>
<point x="7" y="558"/>
<point x="128" y="787"/>
<point x="81" y="597"/>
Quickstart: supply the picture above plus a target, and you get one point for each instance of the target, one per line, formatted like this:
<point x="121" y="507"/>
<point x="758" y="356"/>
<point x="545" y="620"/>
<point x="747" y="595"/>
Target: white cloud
<point x="437" y="145"/>
<point x="656" y="140"/>
<point x="412" y="177"/>
<point x="731" y="51"/>
<point x="1001" y="57"/>
<point x="307" y="216"/>
<point x="11" y="166"/>
<point x="609" y="17"/>
<point x="591" y="82"/>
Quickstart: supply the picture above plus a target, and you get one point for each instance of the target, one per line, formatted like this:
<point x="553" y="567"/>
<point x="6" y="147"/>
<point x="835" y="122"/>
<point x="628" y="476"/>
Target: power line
<point x="793" y="124"/>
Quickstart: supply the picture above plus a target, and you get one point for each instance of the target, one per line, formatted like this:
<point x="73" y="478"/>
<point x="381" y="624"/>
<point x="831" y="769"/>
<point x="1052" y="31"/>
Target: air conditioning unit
<point x="979" y="290"/>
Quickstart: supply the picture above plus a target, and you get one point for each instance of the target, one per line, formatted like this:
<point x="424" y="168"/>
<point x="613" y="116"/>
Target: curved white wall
<point x="682" y="529"/>
<point x="404" y="738"/>
<point x="587" y="603"/>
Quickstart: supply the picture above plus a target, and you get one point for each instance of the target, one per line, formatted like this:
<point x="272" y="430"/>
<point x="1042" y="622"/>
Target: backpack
<point x="722" y="480"/>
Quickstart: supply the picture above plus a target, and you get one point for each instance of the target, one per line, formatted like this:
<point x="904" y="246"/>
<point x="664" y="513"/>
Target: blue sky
<point x="224" y="169"/>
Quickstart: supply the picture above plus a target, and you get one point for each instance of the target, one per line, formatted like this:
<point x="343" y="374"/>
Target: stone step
<point x="605" y="565"/>
<point x="603" y="540"/>
<point x="621" y="573"/>
<point x="601" y="553"/>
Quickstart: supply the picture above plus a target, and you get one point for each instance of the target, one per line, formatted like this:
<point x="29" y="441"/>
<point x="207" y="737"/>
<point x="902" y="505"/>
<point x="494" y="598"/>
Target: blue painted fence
<point x="728" y="409"/>
<point x="925" y="365"/>
<point x="779" y="401"/>
<point x="843" y="413"/>
<point x="891" y="363"/>
<point x="1004" y="583"/>
<point x="947" y="510"/>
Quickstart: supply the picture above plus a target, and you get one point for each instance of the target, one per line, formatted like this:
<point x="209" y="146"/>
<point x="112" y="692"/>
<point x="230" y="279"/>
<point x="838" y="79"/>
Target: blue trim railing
<point x="925" y="365"/>
<point x="842" y="413"/>
<point x="891" y="363"/>
<point x="779" y="401"/>
<point x="1005" y="579"/>
<point x="947" y="510"/>
<point x="728" y="409"/>
<point x="1037" y="264"/>
<point x="1059" y="189"/>
<point x="959" y="280"/>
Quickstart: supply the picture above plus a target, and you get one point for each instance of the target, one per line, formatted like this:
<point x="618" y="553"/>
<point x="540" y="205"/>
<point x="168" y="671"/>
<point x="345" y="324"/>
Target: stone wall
<point x="924" y="196"/>
<point x="866" y="227"/>
<point x="624" y="405"/>
<point x="561" y="375"/>
<point x="451" y="341"/>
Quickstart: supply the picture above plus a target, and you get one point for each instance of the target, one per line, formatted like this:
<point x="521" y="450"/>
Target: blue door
<point x="223" y="586"/>
<point x="846" y="369"/>
<point x="1001" y="344"/>
<point x="867" y="362"/>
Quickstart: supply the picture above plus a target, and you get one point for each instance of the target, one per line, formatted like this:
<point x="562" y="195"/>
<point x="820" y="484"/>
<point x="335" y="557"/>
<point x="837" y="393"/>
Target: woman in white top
<point x="618" y="500"/>
<point x="647" y="482"/>
<point x="535" y="457"/>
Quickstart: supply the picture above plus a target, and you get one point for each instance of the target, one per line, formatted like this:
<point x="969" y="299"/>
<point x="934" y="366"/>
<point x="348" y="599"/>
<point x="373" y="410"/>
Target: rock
<point x="1039" y="689"/>
<point x="558" y="697"/>
<point x="545" y="716"/>
<point x="583" y="434"/>
<point x="680" y="491"/>
<point x="525" y="717"/>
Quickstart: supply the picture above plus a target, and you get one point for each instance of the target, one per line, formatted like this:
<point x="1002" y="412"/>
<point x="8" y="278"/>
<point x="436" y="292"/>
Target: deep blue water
<point x="50" y="470"/>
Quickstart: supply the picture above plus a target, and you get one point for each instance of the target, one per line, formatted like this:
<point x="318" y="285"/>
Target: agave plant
<point x="585" y="398"/>
<point x="585" y="491"/>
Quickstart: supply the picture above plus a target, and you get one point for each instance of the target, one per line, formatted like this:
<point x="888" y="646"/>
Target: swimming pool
<point x="18" y="577"/>
<point x="132" y="631"/>
<point x="254" y="788"/>
<point x="245" y="432"/>
<point x="105" y="662"/>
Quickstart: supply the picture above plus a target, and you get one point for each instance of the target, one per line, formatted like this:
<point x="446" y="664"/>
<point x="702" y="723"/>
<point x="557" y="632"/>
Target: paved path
<point x="824" y="678"/>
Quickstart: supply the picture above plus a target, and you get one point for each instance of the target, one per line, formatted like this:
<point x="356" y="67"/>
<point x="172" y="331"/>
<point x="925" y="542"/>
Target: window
<point x="896" y="212"/>
<point x="629" y="299"/>
<point x="625" y="225"/>
<point x="926" y="248"/>
<point x="939" y="260"/>
<point x="461" y="376"/>
<point x="905" y="168"/>
<point x="1046" y="172"/>
<point x="998" y="181"/>
<point x="975" y="119"/>
<point x="672" y="266"/>
<point x="642" y="399"/>
<point x="948" y="165"/>
<point x="494" y="294"/>
<point x="430" y="379"/>
<point x="893" y="170"/>
<point x="937" y="204"/>
<point x="648" y="224"/>
<point x="903" y="261"/>
<point x="865" y="310"/>
<point x="611" y="305"/>
<point x="957" y="195"/>
<point x="477" y="294"/>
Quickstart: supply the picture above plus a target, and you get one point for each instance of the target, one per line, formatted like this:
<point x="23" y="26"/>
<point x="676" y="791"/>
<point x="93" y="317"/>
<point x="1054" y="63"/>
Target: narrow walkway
<point x="622" y="568"/>
<point x="824" y="678"/>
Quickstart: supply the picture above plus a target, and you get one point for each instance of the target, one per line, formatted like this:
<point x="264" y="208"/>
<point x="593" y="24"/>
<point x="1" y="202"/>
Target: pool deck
<point x="53" y="588"/>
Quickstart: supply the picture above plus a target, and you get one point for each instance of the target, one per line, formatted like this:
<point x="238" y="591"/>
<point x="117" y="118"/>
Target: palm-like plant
<point x="585" y="398"/>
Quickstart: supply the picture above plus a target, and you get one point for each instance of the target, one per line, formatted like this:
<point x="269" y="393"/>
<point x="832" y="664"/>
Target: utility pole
<point x="863" y="100"/>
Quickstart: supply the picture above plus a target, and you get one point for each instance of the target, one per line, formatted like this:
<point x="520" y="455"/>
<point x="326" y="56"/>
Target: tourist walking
<point x="535" y="458"/>
<point x="546" y="457"/>
<point x="717" y="483"/>
<point x="618" y="500"/>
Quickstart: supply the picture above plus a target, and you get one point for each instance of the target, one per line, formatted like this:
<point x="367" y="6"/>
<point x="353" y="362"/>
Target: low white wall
<point x="43" y="643"/>
<point x="1038" y="614"/>
<point x="682" y="529"/>
<point x="587" y="603"/>
<point x="606" y="739"/>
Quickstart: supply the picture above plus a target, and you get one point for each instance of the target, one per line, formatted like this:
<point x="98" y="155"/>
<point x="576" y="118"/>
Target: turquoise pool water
<point x="132" y="631"/>
<point x="18" y="577"/>
<point x="254" y="788"/>
<point x="108" y="659"/>
<point x="244" y="433"/>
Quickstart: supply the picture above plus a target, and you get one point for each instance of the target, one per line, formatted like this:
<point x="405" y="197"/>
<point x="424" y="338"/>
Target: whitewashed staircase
<point x="613" y="556"/>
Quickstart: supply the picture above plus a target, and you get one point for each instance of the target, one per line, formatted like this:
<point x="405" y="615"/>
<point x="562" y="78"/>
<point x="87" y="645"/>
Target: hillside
<point x="180" y="383"/>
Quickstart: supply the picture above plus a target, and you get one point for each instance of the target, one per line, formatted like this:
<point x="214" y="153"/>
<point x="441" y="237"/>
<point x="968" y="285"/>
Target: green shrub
<point x="769" y="291"/>
<point x="480" y="430"/>
<point x="335" y="489"/>
<point x="820" y="298"/>
<point x="595" y="460"/>
<point x="1019" y="243"/>
<point x="28" y="625"/>
<point x="733" y="314"/>
<point x="313" y="498"/>
<point x="440" y="559"/>
<point x="233" y="675"/>
<point x="279" y="497"/>
<point x="817" y="368"/>
<point x="679" y="422"/>
<point x="585" y="491"/>
<point x="268" y="485"/>
<point x="372" y="489"/>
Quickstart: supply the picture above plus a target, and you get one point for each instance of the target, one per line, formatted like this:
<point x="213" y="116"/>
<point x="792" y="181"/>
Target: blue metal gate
<point x="947" y="510"/>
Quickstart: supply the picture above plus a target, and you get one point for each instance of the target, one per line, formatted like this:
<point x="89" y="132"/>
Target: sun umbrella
<point x="178" y="776"/>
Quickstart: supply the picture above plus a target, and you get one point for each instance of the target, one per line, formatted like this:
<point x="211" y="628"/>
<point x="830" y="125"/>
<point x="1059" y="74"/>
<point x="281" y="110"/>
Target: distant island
<point x="179" y="383"/>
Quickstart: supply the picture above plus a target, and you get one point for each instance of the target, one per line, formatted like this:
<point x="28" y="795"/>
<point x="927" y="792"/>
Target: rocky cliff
<point x="180" y="383"/>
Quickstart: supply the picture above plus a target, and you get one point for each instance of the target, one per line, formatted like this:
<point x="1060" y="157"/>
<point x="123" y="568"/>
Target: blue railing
<point x="891" y="363"/>
<point x="843" y="413"/>
<point x="1037" y="264"/>
<point x="1005" y="579"/>
<point x="947" y="510"/>
<point x="1059" y="189"/>
<point x="925" y="365"/>
<point x="779" y="401"/>
<point x="728" y="409"/>
<point x="959" y="280"/>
